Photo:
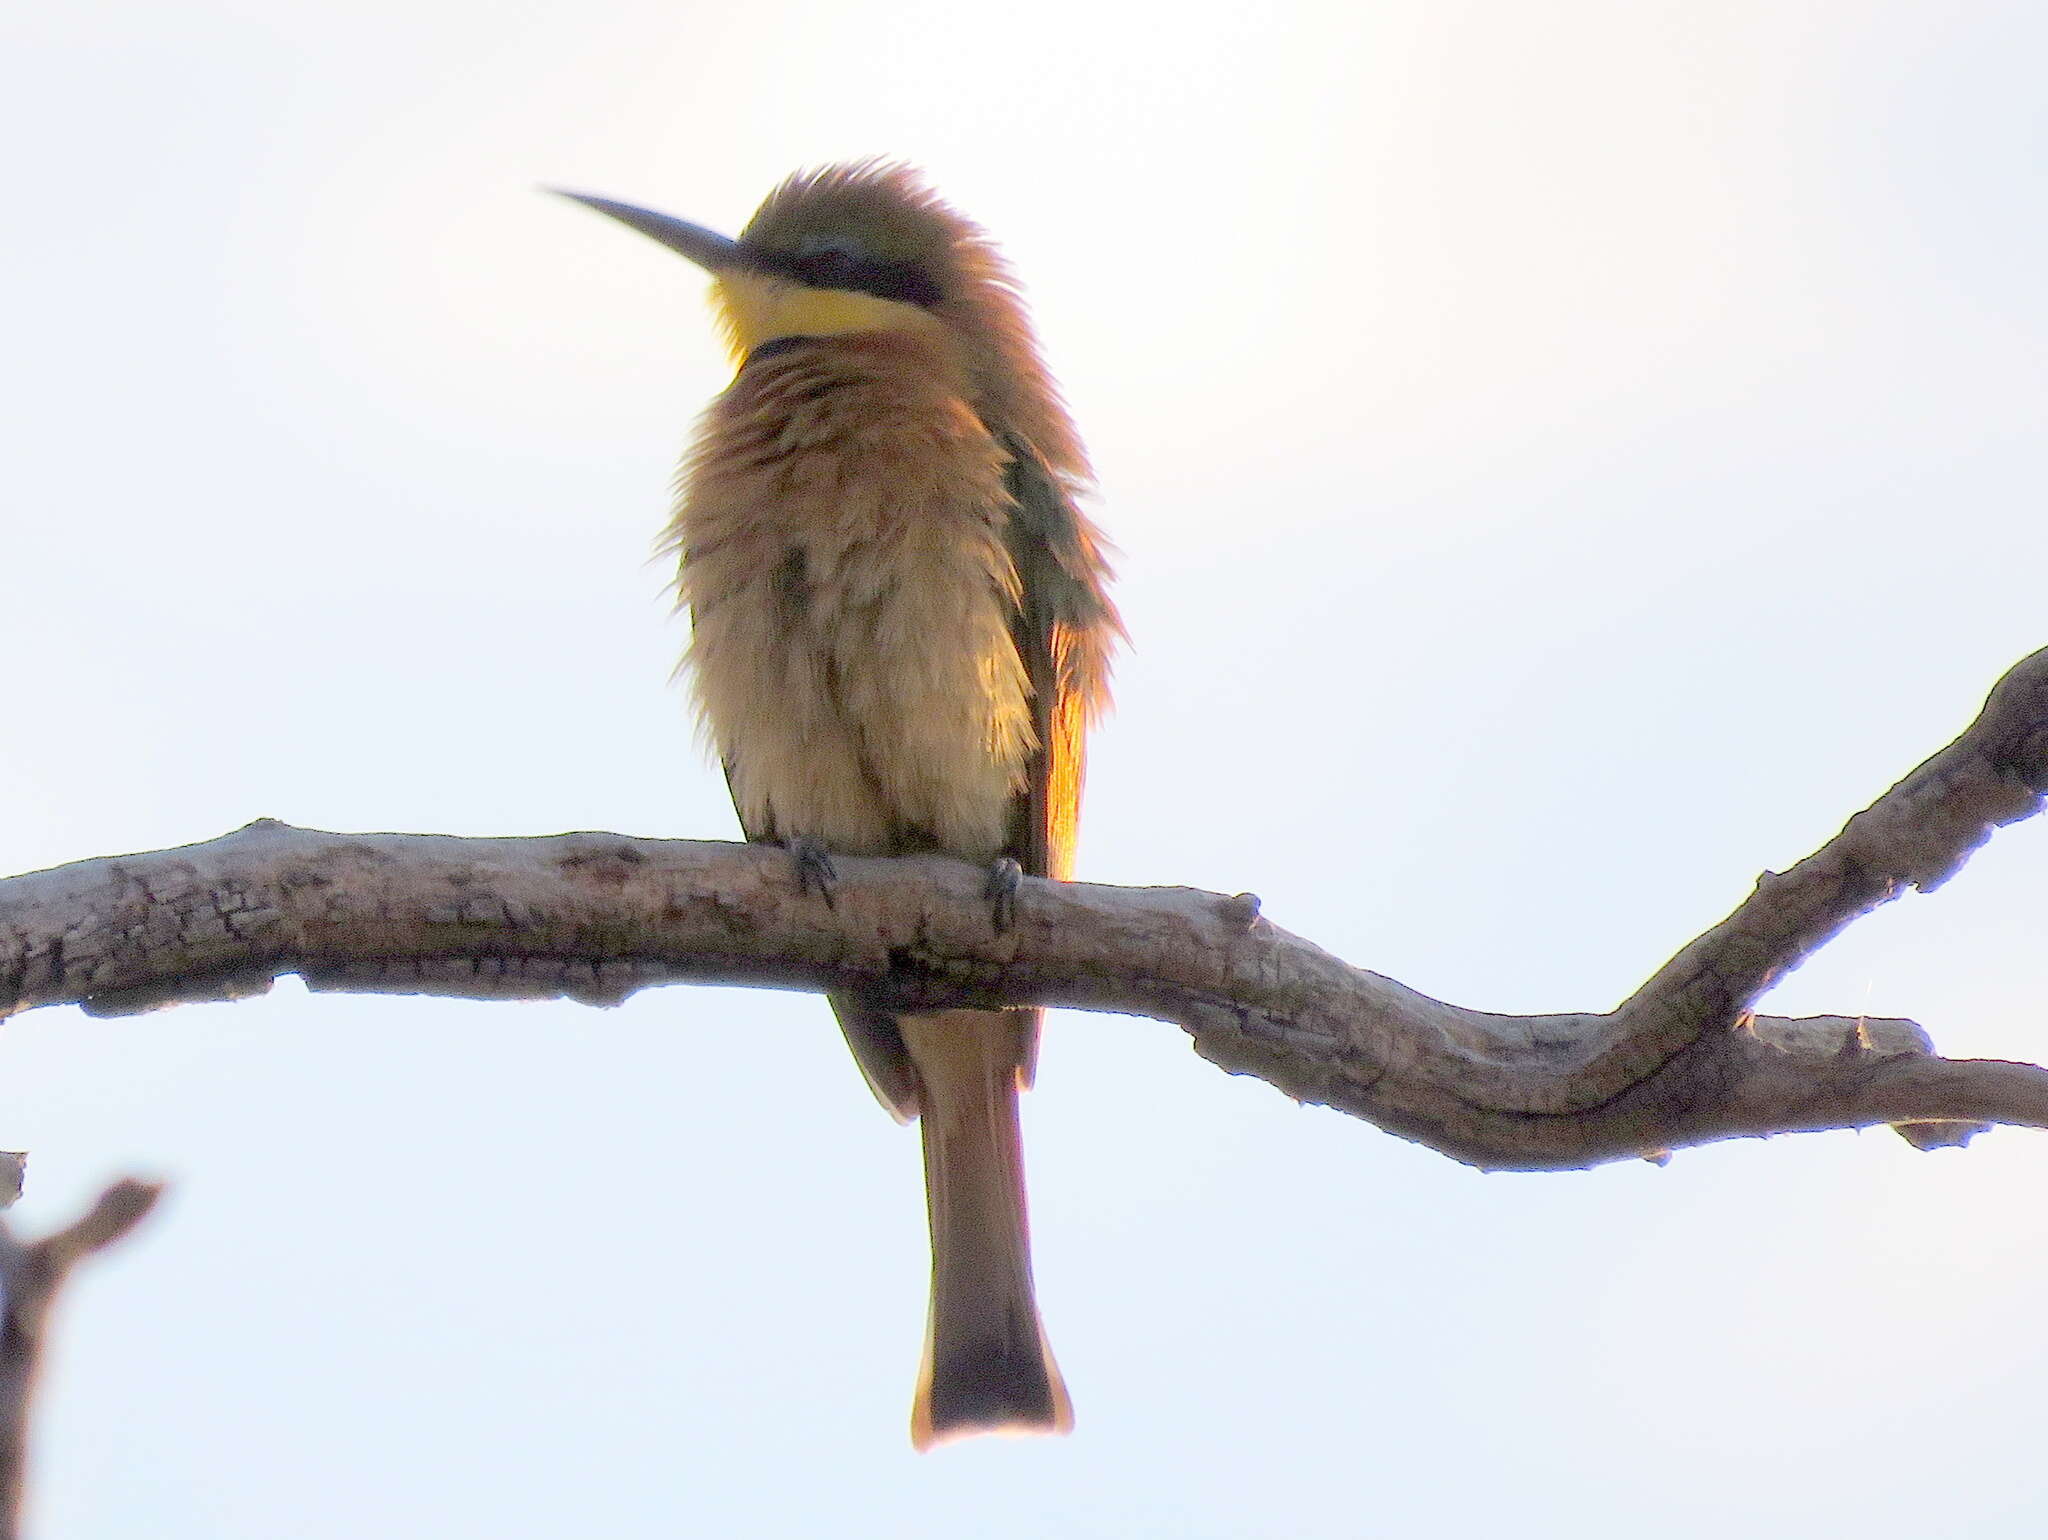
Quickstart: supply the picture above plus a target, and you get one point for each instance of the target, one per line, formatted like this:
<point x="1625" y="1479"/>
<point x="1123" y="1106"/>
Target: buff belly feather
<point x="844" y="563"/>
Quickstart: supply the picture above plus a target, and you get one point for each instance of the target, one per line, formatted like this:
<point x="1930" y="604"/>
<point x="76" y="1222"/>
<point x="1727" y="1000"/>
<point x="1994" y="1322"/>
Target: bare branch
<point x="593" y="917"/>
<point x="32" y="1274"/>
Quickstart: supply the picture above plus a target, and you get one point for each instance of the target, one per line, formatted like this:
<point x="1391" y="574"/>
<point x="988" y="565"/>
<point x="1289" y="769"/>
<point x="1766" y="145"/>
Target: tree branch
<point x="594" y="917"/>
<point x="31" y="1275"/>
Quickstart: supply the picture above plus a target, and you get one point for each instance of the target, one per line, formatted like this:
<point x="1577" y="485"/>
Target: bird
<point x="900" y="635"/>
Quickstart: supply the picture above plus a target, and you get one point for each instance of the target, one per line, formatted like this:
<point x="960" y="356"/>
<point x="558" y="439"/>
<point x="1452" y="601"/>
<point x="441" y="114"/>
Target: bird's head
<point x="863" y="248"/>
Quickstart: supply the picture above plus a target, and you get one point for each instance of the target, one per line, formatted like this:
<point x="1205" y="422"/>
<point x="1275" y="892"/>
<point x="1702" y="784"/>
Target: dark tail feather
<point x="986" y="1365"/>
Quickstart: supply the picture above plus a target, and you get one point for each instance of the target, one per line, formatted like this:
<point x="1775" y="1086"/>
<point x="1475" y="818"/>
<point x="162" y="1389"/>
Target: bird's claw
<point x="1005" y="877"/>
<point x="815" y="873"/>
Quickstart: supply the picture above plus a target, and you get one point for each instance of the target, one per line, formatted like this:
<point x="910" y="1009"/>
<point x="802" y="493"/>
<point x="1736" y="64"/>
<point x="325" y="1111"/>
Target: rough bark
<point x="594" y="917"/>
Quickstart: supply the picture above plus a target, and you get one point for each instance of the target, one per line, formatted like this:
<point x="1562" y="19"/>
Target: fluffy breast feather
<point x="841" y="528"/>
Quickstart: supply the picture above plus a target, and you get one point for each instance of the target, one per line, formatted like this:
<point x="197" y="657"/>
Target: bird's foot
<point x="815" y="873"/>
<point x="1005" y="877"/>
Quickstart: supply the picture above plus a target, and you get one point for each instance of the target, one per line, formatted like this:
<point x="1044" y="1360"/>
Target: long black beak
<point x="707" y="248"/>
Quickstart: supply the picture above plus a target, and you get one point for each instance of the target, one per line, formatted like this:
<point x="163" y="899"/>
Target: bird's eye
<point x="826" y="257"/>
<point x="838" y="262"/>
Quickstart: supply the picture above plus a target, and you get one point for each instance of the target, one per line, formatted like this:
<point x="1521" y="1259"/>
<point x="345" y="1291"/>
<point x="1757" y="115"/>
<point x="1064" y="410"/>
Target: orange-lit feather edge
<point x="1063" y="630"/>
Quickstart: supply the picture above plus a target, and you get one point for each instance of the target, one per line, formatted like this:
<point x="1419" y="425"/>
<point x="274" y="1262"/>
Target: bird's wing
<point x="872" y="1035"/>
<point x="1063" y="630"/>
<point x="869" y="1033"/>
<point x="765" y="835"/>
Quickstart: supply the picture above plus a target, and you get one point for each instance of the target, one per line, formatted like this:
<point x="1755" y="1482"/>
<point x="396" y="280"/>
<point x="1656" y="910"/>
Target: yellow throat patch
<point x="754" y="308"/>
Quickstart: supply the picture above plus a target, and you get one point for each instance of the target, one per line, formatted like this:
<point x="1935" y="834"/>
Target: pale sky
<point x="1565" y="459"/>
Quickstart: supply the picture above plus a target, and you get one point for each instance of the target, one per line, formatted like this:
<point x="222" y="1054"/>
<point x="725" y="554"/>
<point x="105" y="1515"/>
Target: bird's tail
<point x="986" y="1364"/>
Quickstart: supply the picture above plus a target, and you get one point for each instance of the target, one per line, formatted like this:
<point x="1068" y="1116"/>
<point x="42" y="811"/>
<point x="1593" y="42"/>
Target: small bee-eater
<point x="899" y="635"/>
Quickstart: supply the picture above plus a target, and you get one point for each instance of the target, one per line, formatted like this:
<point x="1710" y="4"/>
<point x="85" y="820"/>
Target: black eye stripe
<point x="904" y="282"/>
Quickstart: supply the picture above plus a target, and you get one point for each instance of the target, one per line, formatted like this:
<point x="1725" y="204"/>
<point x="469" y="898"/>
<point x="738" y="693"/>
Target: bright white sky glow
<point x="1566" y="458"/>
